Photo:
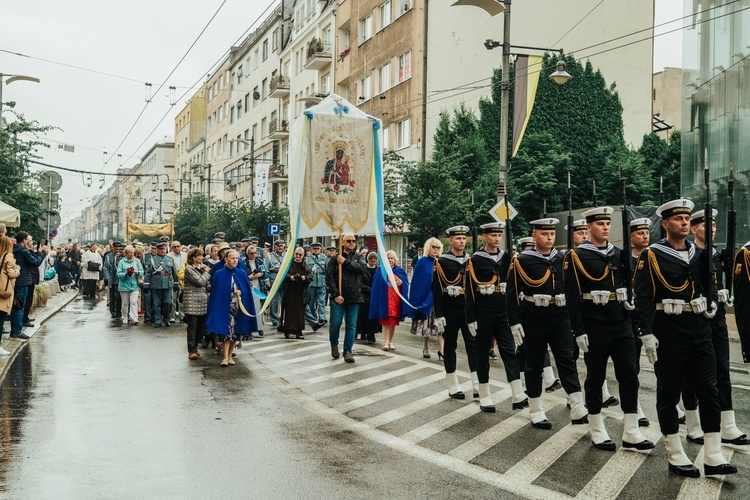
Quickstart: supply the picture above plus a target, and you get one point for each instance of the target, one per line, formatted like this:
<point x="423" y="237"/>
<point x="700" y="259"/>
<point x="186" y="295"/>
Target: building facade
<point x="190" y="129"/>
<point x="667" y="101"/>
<point x="716" y="107"/>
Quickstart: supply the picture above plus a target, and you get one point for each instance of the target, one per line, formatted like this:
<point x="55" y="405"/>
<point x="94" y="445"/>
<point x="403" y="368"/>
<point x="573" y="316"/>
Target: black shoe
<point x="520" y="406"/>
<point x="147" y="321"/>
<point x="555" y="386"/>
<point x="643" y="422"/>
<point x="20" y="336"/>
<point x="643" y="445"/>
<point x="580" y="421"/>
<point x="457" y="395"/>
<point x="371" y="339"/>
<point x="685" y="470"/>
<point x="607" y="445"/>
<point x="157" y="325"/>
<point x="719" y="470"/>
<point x="260" y="333"/>
<point x="28" y="324"/>
<point x="681" y="421"/>
<point x="492" y="354"/>
<point x="440" y="355"/>
<point x="168" y="324"/>
<point x="335" y="352"/>
<point x="349" y="357"/>
<point x="612" y="401"/>
<point x="488" y="409"/>
<point x="698" y="440"/>
<point x="30" y="320"/>
<point x="544" y="424"/>
<point x="476" y="395"/>
<point x="323" y="323"/>
<point x="740" y="441"/>
<point x="316" y="327"/>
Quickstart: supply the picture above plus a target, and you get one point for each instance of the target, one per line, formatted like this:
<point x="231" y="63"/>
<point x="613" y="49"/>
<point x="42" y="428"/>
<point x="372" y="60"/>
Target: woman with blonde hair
<point x="8" y="275"/>
<point x="421" y="295"/>
<point x="385" y="303"/>
<point x="129" y="270"/>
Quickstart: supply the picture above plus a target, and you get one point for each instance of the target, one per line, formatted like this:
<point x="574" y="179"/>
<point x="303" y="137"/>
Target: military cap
<point x="254" y="238"/>
<point x="578" y="225"/>
<point x="526" y="242"/>
<point x="279" y="242"/>
<point x="266" y="244"/>
<point x="117" y="244"/>
<point x="675" y="207"/>
<point x="316" y="244"/>
<point x="164" y="238"/>
<point x="700" y="216"/>
<point x="161" y="245"/>
<point x="220" y="235"/>
<point x="493" y="227"/>
<point x="331" y="247"/>
<point x="154" y="243"/>
<point x="457" y="231"/>
<point x="306" y="247"/>
<point x="598" y="213"/>
<point x="638" y="224"/>
<point x="550" y="223"/>
<point x="216" y="241"/>
<point x="245" y="240"/>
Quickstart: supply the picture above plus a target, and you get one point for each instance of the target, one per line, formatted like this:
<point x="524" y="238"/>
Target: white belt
<point x="678" y="306"/>
<point x="542" y="300"/>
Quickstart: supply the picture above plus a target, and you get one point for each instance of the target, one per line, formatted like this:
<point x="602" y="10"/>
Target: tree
<point x="19" y="187"/>
<point x="663" y="161"/>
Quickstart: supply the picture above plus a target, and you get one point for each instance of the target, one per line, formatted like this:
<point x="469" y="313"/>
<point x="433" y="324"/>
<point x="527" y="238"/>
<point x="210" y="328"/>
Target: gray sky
<point x="142" y="41"/>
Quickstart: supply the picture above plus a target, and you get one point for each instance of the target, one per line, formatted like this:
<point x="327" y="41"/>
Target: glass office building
<point x="716" y="107"/>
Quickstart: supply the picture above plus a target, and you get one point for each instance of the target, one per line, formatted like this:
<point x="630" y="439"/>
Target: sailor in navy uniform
<point x="640" y="234"/>
<point x="525" y="243"/>
<point x="487" y="316"/>
<point x="538" y="318"/>
<point x="597" y="302"/>
<point x="730" y="434"/>
<point x="672" y="315"/>
<point x="448" y="291"/>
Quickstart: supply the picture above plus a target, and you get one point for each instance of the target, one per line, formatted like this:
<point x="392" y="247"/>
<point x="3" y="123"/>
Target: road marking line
<point x="392" y="391"/>
<point x="546" y="454"/>
<point x="290" y="351"/>
<point x="293" y="360"/>
<point x="408" y="409"/>
<point x="275" y="343"/>
<point x="335" y="391"/>
<point x="489" y="438"/>
<point x="440" y="424"/>
<point x="349" y="371"/>
<point x="309" y="369"/>
<point x="619" y="470"/>
<point x="704" y="488"/>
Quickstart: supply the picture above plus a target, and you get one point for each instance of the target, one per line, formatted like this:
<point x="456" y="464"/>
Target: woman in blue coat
<point x="230" y="289"/>
<point x="385" y="304"/>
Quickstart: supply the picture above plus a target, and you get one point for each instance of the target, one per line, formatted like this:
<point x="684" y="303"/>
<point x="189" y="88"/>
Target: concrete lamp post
<point x="13" y="78"/>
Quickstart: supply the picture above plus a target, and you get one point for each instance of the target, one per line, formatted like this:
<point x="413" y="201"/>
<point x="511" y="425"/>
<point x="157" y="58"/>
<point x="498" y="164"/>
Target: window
<point x="404" y="6"/>
<point x="275" y="37"/>
<point x="404" y="67"/>
<point x="225" y="142"/>
<point x="239" y="74"/>
<point x="221" y="113"/>
<point x="231" y="149"/>
<point x="226" y="108"/>
<point x="384" y="78"/>
<point x="255" y="132"/>
<point x="239" y="109"/>
<point x="384" y="15"/>
<point x="209" y="123"/>
<point x="365" y="29"/>
<point x="325" y="84"/>
<point x="256" y="58"/>
<point x="247" y="138"/>
<point x="247" y="102"/>
<point x="264" y="127"/>
<point x="255" y="92"/>
<point x="264" y="89"/>
<point x="265" y="49"/>
<point x="403" y="132"/>
<point x="231" y="115"/>
<point x="386" y="137"/>
<point x="364" y="89"/>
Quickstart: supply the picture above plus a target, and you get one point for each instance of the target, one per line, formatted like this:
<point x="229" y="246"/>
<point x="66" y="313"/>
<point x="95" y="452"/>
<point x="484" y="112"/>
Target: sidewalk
<point x="41" y="315"/>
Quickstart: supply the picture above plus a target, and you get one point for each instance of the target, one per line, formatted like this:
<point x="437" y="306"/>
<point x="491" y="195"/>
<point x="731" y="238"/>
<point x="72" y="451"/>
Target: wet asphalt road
<point x="95" y="409"/>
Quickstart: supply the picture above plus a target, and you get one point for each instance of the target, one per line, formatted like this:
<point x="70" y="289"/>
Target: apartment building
<point x="190" y="129"/>
<point x="254" y="117"/>
<point x="154" y="186"/>
<point x="667" y="101"/>
<point x="219" y="95"/>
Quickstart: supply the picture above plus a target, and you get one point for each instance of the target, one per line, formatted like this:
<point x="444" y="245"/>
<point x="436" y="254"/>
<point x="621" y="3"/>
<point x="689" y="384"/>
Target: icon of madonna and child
<point x="338" y="176"/>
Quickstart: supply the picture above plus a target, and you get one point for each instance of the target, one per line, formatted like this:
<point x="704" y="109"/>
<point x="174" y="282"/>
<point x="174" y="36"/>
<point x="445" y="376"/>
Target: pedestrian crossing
<point x="401" y="402"/>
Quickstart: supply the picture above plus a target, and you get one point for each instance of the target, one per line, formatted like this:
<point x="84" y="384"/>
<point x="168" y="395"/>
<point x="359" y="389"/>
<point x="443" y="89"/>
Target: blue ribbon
<point x="339" y="109"/>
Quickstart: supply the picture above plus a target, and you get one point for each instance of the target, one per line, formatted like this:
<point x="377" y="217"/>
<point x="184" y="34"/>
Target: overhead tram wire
<point x="579" y="22"/>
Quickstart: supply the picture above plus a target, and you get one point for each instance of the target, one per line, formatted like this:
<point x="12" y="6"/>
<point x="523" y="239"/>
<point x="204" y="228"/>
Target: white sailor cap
<point x="526" y="242"/>
<point x="578" y="225"/>
<point x="675" y="207"/>
<point x="638" y="224"/>
<point x="598" y="213"/>
<point x="700" y="216"/>
<point x="457" y="231"/>
<point x="493" y="227"/>
<point x="544" y="224"/>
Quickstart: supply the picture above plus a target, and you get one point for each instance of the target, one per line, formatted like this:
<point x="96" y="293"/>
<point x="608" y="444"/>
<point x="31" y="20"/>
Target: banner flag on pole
<point x="151" y="230"/>
<point x="525" y="84"/>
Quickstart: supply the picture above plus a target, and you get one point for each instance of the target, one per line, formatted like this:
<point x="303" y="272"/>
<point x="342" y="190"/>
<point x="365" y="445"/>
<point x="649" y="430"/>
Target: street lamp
<point x="13" y="78"/>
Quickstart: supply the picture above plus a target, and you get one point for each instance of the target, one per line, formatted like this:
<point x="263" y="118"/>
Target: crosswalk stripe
<point x="291" y="351"/>
<point x="309" y="369"/>
<point x="294" y="360"/>
<point x="543" y="456"/>
<point x="274" y="344"/>
<point x="350" y="371"/>
<point x="335" y="391"/>
<point x="703" y="488"/>
<point x="408" y="409"/>
<point x="440" y="424"/>
<point x="489" y="438"/>
<point x="390" y="392"/>
<point x="618" y="471"/>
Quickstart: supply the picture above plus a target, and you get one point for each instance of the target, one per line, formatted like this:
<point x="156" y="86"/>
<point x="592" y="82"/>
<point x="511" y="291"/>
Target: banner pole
<point x="341" y="252"/>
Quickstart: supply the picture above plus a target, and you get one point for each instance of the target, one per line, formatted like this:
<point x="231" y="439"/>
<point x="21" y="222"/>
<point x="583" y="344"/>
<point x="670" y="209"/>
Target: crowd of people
<point x="593" y="299"/>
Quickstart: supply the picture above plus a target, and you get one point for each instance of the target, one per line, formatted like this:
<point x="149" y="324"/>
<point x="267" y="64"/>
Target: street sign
<point x="502" y="211"/>
<point x="51" y="221"/>
<point x="274" y="229"/>
<point x="50" y="182"/>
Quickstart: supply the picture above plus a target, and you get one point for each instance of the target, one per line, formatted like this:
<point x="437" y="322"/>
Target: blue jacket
<point x="129" y="283"/>
<point x="379" y="294"/>
<point x="217" y="318"/>
<point x="27" y="261"/>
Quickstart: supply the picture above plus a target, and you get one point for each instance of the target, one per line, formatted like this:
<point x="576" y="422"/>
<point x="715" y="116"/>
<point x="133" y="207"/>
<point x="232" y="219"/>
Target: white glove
<point x="473" y="328"/>
<point x="650" y="343"/>
<point x="711" y="312"/>
<point x="518" y="334"/>
<point x="440" y="324"/>
<point x="583" y="342"/>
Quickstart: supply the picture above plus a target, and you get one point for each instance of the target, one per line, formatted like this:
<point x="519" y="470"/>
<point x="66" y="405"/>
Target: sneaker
<point x="349" y="357"/>
<point x="3" y="352"/>
<point x="335" y="351"/>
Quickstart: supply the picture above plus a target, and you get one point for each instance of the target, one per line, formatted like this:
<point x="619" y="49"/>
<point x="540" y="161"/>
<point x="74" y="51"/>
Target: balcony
<point x="318" y="55"/>
<point x="277" y="173"/>
<point x="277" y="130"/>
<point x="279" y="87"/>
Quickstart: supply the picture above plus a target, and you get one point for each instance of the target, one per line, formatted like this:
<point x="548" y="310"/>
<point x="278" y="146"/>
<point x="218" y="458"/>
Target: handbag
<point x="50" y="273"/>
<point x="92" y="266"/>
<point x="5" y="294"/>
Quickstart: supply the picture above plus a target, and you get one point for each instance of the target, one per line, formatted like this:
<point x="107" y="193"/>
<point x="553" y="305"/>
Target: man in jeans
<point x="345" y="299"/>
<point x="26" y="261"/>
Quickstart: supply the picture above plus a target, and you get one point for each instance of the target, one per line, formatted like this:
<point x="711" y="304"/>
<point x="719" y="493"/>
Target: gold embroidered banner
<point x="151" y="229"/>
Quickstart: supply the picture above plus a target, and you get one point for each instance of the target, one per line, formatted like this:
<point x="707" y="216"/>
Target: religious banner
<point x="150" y="230"/>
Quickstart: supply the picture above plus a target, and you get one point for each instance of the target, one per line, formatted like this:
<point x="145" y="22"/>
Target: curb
<point x="18" y="345"/>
